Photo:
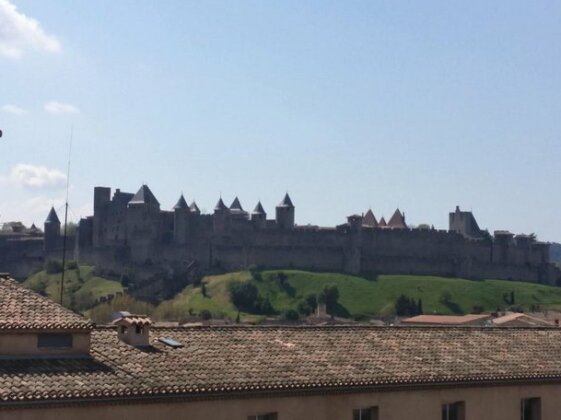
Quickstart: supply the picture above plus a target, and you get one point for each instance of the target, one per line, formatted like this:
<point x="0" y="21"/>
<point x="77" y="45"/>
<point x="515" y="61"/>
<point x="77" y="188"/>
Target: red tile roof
<point x="446" y="319"/>
<point x="22" y="309"/>
<point x="246" y="360"/>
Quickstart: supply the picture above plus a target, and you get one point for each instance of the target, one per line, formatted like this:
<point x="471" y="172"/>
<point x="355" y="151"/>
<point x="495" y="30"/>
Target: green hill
<point x="81" y="286"/>
<point x="359" y="296"/>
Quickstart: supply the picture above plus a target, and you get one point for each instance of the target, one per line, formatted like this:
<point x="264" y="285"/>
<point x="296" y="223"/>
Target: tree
<point x="53" y="267"/>
<point x="205" y="315"/>
<point x="264" y="306"/>
<point x="406" y="306"/>
<point x="243" y="295"/>
<point x="255" y="273"/>
<point x="203" y="289"/>
<point x="282" y="277"/>
<point x="291" y="315"/>
<point x="329" y="296"/>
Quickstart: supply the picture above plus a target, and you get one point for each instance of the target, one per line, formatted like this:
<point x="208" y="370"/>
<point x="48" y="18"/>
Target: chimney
<point x="134" y="330"/>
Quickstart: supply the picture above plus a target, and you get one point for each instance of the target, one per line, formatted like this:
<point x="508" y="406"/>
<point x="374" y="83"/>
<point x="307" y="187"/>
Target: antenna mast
<point x="66" y="216"/>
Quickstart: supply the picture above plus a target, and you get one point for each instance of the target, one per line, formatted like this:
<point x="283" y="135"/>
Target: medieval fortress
<point x="132" y="231"/>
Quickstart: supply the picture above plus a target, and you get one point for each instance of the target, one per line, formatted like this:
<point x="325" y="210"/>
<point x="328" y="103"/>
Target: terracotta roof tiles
<point x="22" y="309"/>
<point x="218" y="360"/>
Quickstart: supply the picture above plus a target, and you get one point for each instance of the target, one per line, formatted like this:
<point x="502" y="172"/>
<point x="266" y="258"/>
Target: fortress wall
<point x="422" y="244"/>
<point x="315" y="249"/>
<point x="20" y="257"/>
<point x="304" y="257"/>
<point x="510" y="272"/>
<point x="408" y="265"/>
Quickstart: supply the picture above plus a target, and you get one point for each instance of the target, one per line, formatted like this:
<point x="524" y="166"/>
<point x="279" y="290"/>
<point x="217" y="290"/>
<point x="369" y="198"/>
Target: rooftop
<point x="214" y="362"/>
<point x="22" y="309"/>
<point x="446" y="319"/>
<point x="248" y="360"/>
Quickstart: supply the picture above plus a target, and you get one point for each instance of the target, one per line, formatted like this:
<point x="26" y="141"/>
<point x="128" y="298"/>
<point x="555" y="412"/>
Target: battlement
<point x="133" y="228"/>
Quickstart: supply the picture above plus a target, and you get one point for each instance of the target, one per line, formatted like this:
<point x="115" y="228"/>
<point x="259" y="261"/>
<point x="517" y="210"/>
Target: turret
<point x="143" y="222"/>
<point x="221" y="216"/>
<point x="194" y="209"/>
<point x="369" y="220"/>
<point x="52" y="231"/>
<point x="258" y="216"/>
<point x="180" y="220"/>
<point x="144" y="198"/>
<point x="397" y="221"/>
<point x="285" y="213"/>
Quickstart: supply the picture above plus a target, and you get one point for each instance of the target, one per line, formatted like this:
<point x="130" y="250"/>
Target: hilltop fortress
<point x="131" y="231"/>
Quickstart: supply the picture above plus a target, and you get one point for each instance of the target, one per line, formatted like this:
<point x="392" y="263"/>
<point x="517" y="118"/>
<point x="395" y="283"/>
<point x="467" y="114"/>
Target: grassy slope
<point x="361" y="296"/>
<point x="81" y="283"/>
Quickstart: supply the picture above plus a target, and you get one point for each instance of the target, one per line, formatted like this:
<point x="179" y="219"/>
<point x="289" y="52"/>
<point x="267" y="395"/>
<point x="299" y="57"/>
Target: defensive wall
<point x="130" y="232"/>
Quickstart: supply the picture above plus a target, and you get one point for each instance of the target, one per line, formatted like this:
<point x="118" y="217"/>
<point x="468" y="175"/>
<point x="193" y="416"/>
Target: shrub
<point x="71" y="265"/>
<point x="243" y="295"/>
<point x="255" y="273"/>
<point x="329" y="296"/>
<point x="53" y="267"/>
<point x="406" y="306"/>
<point x="264" y="306"/>
<point x="291" y="315"/>
<point x="205" y="315"/>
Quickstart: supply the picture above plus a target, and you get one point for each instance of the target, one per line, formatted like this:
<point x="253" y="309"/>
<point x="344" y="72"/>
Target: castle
<point x="131" y="230"/>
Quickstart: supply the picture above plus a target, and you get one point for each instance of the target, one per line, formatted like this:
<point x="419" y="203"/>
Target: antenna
<point x="66" y="216"/>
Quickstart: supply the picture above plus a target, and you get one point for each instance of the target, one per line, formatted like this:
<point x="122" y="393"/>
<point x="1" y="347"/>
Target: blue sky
<point x="345" y="104"/>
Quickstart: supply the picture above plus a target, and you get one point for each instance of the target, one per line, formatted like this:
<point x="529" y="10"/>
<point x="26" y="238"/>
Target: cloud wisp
<point x="34" y="176"/>
<point x="60" y="108"/>
<point x="13" y="109"/>
<point x="19" y="33"/>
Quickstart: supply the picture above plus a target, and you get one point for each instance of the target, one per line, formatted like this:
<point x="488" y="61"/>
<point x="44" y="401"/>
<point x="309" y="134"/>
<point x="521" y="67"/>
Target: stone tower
<point x="102" y="196"/>
<point x="352" y="250"/>
<point x="52" y="231"/>
<point x="180" y="221"/>
<point x="221" y="216"/>
<point x="464" y="222"/>
<point x="285" y="213"/>
<point x="258" y="216"/>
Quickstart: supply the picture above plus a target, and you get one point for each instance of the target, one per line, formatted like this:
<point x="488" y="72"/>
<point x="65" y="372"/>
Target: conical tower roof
<point x="220" y="205"/>
<point x="181" y="203"/>
<point x="286" y="202"/>
<point x="236" y="205"/>
<point x="369" y="219"/>
<point x="144" y="196"/>
<point x="382" y="222"/>
<point x="397" y="220"/>
<point x="259" y="209"/>
<point x="52" y="217"/>
<point x="194" y="208"/>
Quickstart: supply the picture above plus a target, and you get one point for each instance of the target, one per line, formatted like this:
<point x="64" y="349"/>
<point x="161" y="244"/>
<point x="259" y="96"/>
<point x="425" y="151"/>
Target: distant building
<point x="521" y="320"/>
<point x="448" y="320"/>
<point x="55" y="365"/>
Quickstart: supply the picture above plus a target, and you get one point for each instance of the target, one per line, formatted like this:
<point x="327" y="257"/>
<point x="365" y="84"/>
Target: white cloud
<point x="13" y="109"/>
<point x="19" y="32"/>
<point x="32" y="176"/>
<point x="58" y="108"/>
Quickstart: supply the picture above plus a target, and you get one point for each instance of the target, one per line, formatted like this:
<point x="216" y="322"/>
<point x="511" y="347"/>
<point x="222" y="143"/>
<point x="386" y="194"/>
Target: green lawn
<point x="361" y="296"/>
<point x="81" y="286"/>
